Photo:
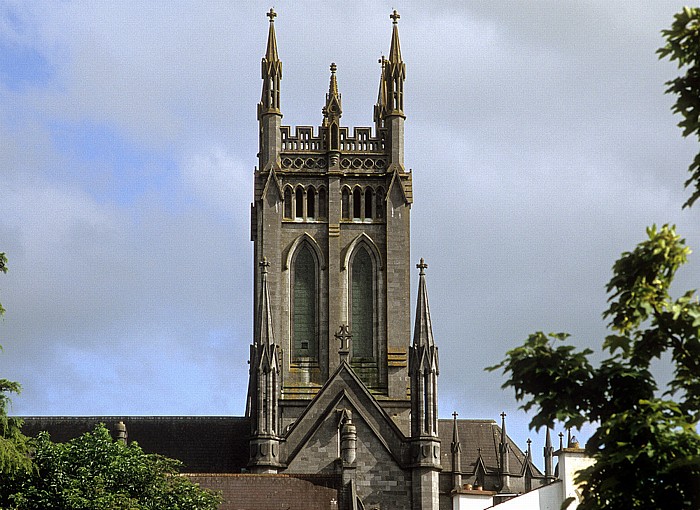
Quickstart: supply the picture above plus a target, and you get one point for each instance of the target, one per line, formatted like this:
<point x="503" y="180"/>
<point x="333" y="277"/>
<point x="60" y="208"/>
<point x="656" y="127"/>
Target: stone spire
<point x="269" y="113"/>
<point x="456" y="455"/>
<point x="423" y="372"/>
<point x="423" y="331"/>
<point x="504" y="453"/>
<point x="423" y="365"/>
<point x="548" y="457"/>
<point x="265" y="369"/>
<point x="395" y="71"/>
<point x="271" y="72"/>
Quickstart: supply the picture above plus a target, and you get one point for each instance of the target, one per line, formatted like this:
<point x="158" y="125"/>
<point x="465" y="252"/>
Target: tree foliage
<point x="646" y="446"/>
<point x="95" y="472"/>
<point x="13" y="444"/>
<point x="683" y="47"/>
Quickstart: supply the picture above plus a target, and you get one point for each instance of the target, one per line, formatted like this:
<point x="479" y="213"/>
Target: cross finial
<point x="334" y="68"/>
<point x="454" y="415"/>
<point x="395" y="16"/>
<point x="264" y="264"/>
<point x="272" y="15"/>
<point x="422" y="266"/>
<point x="344" y="336"/>
<point x="503" y="415"/>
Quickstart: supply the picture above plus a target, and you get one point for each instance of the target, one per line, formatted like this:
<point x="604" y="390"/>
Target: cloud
<point x="539" y="136"/>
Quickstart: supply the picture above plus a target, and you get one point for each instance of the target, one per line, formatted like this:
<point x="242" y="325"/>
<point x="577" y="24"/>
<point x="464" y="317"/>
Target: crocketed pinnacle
<point x="271" y="73"/>
<point x="423" y="330"/>
<point x="394" y="72"/>
<point x="333" y="87"/>
<point x="271" y="53"/>
<point x="455" y="434"/>
<point x="395" y="50"/>
<point x="267" y="337"/>
<point x="334" y="107"/>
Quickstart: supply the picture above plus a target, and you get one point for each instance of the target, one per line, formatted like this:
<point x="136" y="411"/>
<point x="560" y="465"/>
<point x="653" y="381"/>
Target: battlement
<point x="303" y="140"/>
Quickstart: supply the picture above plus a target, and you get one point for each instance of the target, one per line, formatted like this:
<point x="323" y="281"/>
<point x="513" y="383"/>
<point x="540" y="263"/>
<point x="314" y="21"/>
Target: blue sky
<point x="539" y="136"/>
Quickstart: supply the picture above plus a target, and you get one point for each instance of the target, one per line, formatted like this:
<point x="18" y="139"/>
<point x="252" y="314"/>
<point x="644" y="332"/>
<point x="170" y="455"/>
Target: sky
<point x="538" y="132"/>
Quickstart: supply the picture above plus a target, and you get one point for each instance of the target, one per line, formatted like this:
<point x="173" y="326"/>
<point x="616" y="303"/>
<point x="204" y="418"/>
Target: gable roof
<point x="205" y="444"/>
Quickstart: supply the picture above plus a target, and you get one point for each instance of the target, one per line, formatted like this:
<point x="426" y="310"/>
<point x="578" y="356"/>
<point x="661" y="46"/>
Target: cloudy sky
<point x="539" y="136"/>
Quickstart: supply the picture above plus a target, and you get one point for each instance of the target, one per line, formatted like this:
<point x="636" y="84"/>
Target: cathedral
<point x="342" y="401"/>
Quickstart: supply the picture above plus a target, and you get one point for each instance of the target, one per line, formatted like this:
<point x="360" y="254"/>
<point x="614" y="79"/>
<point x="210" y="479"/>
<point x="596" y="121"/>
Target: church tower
<point x="331" y="217"/>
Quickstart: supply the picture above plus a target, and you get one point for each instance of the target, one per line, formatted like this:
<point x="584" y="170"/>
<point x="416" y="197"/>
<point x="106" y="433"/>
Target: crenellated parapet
<point x="302" y="139"/>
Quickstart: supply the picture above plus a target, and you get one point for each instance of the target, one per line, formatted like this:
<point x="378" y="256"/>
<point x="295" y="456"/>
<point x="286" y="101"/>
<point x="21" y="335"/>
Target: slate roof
<point x="475" y="435"/>
<point x="219" y="444"/>
<point x="205" y="444"/>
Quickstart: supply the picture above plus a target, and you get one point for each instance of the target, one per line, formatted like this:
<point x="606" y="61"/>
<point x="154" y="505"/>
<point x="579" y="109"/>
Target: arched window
<point x="322" y="203"/>
<point x="311" y="203"/>
<point x="304" y="294"/>
<point x="362" y="311"/>
<point x="346" y="203"/>
<point x="357" y="204"/>
<point x="300" y="202"/>
<point x="288" y="202"/>
<point x="379" y="199"/>
<point x="368" y="203"/>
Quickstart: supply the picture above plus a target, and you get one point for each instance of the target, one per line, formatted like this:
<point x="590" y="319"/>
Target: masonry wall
<point x="379" y="479"/>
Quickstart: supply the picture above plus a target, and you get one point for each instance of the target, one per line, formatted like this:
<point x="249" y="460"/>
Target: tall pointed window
<point x="357" y="204"/>
<point x="311" y="203"/>
<point x="299" y="202"/>
<point x="288" y="202"/>
<point x="368" y="203"/>
<point x="346" y="203"/>
<point x="322" y="203"/>
<point x="362" y="318"/>
<point x="380" y="204"/>
<point x="304" y="342"/>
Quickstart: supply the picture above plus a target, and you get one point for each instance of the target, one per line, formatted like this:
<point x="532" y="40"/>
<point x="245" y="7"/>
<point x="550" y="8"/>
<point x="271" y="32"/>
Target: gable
<point x="344" y="390"/>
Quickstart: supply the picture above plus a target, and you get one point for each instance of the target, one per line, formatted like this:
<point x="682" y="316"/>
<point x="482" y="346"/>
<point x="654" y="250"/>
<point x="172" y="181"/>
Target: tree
<point x="646" y="446"/>
<point x="683" y="46"/>
<point x="94" y="472"/>
<point x="13" y="444"/>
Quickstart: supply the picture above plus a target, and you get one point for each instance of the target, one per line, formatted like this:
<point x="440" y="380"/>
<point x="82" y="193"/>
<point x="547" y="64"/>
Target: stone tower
<point x="331" y="216"/>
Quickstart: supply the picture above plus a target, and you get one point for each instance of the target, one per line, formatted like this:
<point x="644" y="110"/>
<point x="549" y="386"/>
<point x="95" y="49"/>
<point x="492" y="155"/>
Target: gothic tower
<point x="331" y="215"/>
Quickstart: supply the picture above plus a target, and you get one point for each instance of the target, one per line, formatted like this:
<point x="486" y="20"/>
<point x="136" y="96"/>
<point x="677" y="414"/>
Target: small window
<point x="311" y="203"/>
<point x="300" y="202"/>
<point x="322" y="203"/>
<point x="368" y="203"/>
<point x="380" y="204"/>
<point x="288" y="202"/>
<point x="346" y="203"/>
<point x="357" y="204"/>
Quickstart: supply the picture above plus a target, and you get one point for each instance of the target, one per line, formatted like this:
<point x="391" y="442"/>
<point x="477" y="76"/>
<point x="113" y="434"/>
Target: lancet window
<point x="362" y="306"/>
<point x="304" y="304"/>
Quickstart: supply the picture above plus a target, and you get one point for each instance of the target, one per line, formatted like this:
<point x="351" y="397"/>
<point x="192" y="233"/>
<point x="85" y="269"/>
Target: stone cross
<point x="272" y="15"/>
<point x="344" y="336"/>
<point x="395" y="16"/>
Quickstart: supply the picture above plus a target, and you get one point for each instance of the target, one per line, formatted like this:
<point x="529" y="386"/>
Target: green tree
<point x="13" y="444"/>
<point x="646" y="445"/>
<point x="95" y="472"/>
<point x="683" y="46"/>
